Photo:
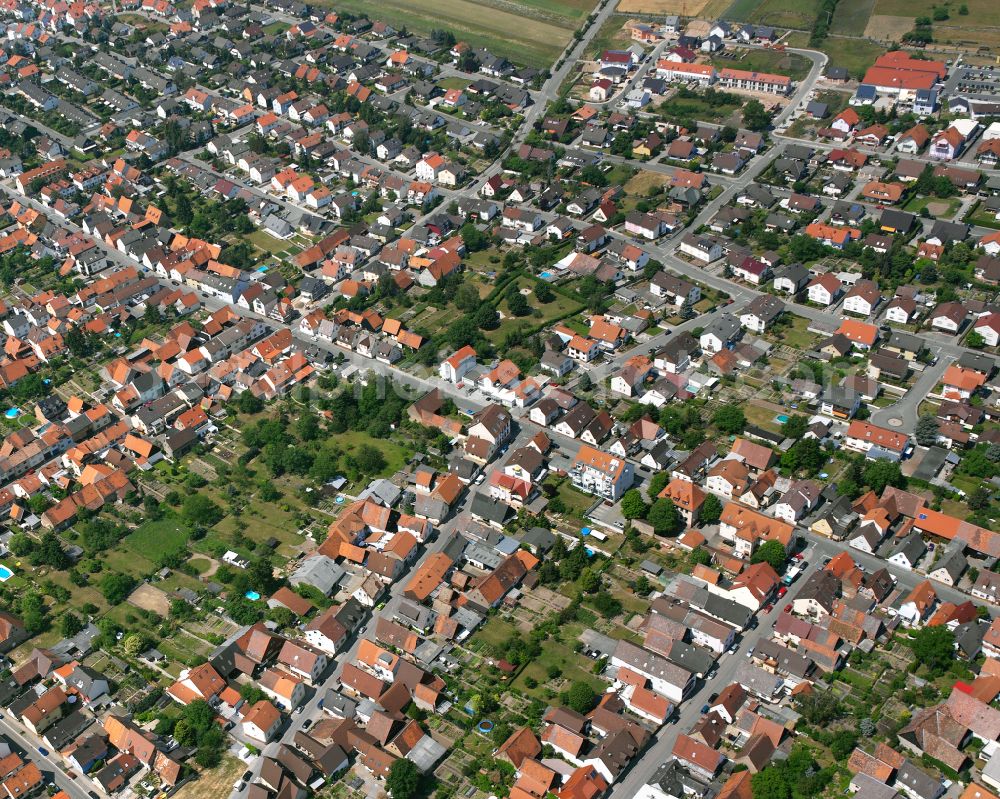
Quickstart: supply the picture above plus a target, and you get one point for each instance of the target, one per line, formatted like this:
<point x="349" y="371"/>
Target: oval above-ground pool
<point x="252" y="596"/>
<point x="485" y="726"/>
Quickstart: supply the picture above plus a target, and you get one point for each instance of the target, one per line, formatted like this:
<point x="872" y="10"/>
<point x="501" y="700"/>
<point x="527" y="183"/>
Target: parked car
<point x="788" y="608"/>
<point x="782" y="591"/>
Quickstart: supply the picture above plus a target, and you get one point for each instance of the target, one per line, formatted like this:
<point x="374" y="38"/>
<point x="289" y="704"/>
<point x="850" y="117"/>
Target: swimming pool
<point x="253" y="596"/>
<point x="546" y="275"/>
<point x="12" y="413"/>
<point x="781" y="418"/>
<point x="5" y="573"/>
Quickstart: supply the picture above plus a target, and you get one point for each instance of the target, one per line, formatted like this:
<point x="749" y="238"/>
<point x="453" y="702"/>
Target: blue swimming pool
<point x="12" y="413"/>
<point x="546" y="275"/>
<point x="5" y="573"/>
<point x="781" y="418"/>
<point x="253" y="596"/>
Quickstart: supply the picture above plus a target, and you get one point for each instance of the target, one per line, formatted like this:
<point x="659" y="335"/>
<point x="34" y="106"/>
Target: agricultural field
<point x="741" y="10"/>
<point x="786" y="13"/>
<point x="891" y="18"/>
<point x="979" y="10"/>
<point x="851" y="17"/>
<point x="856" y="55"/>
<point x="532" y="32"/>
<point x="685" y="8"/>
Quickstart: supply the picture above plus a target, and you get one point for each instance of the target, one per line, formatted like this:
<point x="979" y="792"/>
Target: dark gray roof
<point x="912" y="548"/>
<point x="492" y="510"/>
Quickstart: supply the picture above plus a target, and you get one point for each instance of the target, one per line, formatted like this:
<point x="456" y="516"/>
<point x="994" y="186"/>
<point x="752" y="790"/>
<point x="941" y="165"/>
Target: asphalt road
<point x="903" y="414"/>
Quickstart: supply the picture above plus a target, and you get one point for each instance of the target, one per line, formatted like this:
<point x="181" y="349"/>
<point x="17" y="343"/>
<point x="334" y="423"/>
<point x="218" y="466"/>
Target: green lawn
<point x="796" y="334"/>
<point x="129" y="561"/>
<point x="978" y="216"/>
<point x="266" y="242"/>
<point x="495" y="632"/>
<point x="791" y="64"/>
<point x="549" y="311"/>
<point x="154" y="539"/>
<point x="916" y="204"/>
<point x="762" y="417"/>
<point x="453" y="83"/>
<point x="200" y="565"/>
<point x="571" y="665"/>
<point x="577" y="503"/>
<point x="395" y="454"/>
<point x="696" y="108"/>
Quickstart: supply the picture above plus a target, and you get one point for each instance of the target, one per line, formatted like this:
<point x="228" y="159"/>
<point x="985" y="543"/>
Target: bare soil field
<point x="688" y="8"/>
<point x="151" y="598"/>
<point x="888" y="28"/>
